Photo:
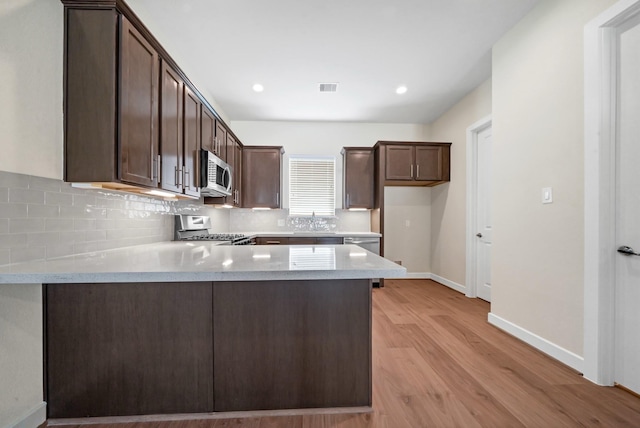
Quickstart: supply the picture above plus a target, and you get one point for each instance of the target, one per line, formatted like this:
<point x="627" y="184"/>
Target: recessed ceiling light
<point x="401" y="90"/>
<point x="258" y="87"/>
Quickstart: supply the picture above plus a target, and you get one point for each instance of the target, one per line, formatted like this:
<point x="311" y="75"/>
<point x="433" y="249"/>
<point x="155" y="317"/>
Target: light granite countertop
<point x="206" y="261"/>
<point x="319" y="233"/>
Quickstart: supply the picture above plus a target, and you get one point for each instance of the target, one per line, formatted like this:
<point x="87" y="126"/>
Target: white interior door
<point x="627" y="291"/>
<point x="483" y="210"/>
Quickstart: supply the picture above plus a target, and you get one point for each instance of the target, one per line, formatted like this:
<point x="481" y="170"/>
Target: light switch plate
<point x="547" y="195"/>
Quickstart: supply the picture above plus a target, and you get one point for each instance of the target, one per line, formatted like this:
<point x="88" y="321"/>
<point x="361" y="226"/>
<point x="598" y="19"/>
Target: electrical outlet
<point x="281" y="222"/>
<point x="407" y="223"/>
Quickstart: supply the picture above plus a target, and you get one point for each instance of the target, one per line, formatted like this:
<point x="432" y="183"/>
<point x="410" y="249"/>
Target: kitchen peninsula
<point x="195" y="327"/>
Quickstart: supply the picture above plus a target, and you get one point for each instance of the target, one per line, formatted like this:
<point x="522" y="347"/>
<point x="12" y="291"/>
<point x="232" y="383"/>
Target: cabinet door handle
<point x="411" y="170"/>
<point x="273" y="242"/>
<point x="185" y="178"/>
<point x="175" y="176"/>
<point x="418" y="171"/>
<point x="348" y="204"/>
<point x="154" y="168"/>
<point x="158" y="170"/>
<point x="277" y="199"/>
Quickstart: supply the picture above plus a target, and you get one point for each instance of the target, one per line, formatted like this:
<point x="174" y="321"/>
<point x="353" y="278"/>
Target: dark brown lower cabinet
<point x="128" y="349"/>
<point x="292" y="344"/>
<point x="299" y="240"/>
<point x="161" y="348"/>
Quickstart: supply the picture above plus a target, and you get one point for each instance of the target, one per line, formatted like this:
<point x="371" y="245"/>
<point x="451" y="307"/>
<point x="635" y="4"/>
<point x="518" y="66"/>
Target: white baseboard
<point x="453" y="285"/>
<point x="428" y="275"/>
<point x="574" y="361"/>
<point x="33" y="418"/>
<point x="419" y="275"/>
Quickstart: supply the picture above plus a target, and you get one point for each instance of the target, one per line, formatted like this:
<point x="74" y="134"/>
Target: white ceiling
<point x="439" y="49"/>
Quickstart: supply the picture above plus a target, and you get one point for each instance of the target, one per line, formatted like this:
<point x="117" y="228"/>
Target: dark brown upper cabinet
<point x="139" y="109"/>
<point x="400" y="163"/>
<point x="133" y="120"/>
<point x="109" y="86"/>
<point x="214" y="135"/>
<point x="180" y="137"/>
<point x="220" y="146"/>
<point x="208" y="129"/>
<point x="192" y="132"/>
<point x="171" y="143"/>
<point x="237" y="174"/>
<point x="358" y="170"/>
<point x="415" y="164"/>
<point x="261" y="176"/>
<point x="234" y="159"/>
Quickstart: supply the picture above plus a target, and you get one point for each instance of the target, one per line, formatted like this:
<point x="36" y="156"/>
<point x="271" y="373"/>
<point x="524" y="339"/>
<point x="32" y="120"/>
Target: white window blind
<point x="312" y="185"/>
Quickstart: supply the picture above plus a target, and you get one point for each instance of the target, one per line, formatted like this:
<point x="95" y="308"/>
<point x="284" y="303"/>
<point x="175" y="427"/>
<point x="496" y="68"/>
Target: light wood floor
<point x="438" y="363"/>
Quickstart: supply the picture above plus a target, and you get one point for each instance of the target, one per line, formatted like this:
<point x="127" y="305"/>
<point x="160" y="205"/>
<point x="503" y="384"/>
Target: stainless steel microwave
<point x="215" y="175"/>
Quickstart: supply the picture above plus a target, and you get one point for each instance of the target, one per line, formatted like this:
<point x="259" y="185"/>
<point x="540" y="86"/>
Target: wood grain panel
<point x="428" y="163"/>
<point x="399" y="162"/>
<point x="124" y="349"/>
<point x="358" y="181"/>
<point x="292" y="344"/>
<point x="139" y="109"/>
<point x="262" y="240"/>
<point x="192" y="133"/>
<point x="208" y="129"/>
<point x="171" y="138"/>
<point x="221" y="141"/>
<point x="261" y="170"/>
<point x="90" y="95"/>
<point x="446" y="381"/>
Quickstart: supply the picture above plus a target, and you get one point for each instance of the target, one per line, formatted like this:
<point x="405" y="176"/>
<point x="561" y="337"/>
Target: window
<point x="312" y="185"/>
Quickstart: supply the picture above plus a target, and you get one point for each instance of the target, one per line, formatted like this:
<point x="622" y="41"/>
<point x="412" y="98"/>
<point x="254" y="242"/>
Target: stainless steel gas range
<point x="196" y="228"/>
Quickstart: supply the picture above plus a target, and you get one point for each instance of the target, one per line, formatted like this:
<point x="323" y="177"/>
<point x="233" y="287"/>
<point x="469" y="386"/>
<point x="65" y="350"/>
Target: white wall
<point x="448" y="201"/>
<point x="407" y="227"/>
<point x="31" y="87"/>
<point x="166" y="37"/>
<point x="538" y="142"/>
<point x="20" y="351"/>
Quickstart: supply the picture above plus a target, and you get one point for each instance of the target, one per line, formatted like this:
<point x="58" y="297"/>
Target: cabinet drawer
<point x="272" y="241"/>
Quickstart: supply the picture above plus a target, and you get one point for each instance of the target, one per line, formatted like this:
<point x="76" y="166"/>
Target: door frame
<point x="600" y="84"/>
<point x="472" y="203"/>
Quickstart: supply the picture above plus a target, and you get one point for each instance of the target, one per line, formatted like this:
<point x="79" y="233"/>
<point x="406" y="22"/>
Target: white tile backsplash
<point x="42" y="218"/>
<point x="246" y="220"/>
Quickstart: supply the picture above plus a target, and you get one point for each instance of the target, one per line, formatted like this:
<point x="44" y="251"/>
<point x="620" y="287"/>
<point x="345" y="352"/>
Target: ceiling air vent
<point x="328" y="87"/>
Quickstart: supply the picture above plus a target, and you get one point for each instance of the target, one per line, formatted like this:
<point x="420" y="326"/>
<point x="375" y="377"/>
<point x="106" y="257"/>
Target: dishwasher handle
<point x="358" y="241"/>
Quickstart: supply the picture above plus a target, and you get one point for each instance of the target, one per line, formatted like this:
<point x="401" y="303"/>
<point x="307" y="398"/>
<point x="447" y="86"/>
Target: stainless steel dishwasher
<point x="369" y="243"/>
